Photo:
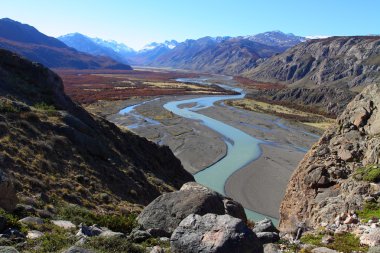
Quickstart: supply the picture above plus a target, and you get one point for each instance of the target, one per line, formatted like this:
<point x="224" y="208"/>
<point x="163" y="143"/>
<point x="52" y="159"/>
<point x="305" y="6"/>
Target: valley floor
<point x="260" y="185"/>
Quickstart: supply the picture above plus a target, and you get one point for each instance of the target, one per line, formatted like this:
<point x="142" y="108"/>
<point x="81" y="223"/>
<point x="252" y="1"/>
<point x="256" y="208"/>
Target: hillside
<point x="97" y="47"/>
<point x="36" y="46"/>
<point x="51" y="145"/>
<point x="338" y="61"/>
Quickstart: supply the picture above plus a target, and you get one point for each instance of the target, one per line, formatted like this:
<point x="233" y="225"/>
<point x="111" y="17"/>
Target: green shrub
<point x="112" y="245"/>
<point x="312" y="239"/>
<point x="77" y="215"/>
<point x="12" y="220"/>
<point x="51" y="242"/>
<point x="7" y="106"/>
<point x="44" y="107"/>
<point x="370" y="173"/>
<point x="369" y="211"/>
<point x="347" y="243"/>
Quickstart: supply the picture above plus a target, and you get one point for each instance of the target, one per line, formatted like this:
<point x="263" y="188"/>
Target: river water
<point x="242" y="148"/>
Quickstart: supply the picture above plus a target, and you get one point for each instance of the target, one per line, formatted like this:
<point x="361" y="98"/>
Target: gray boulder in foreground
<point x="168" y="210"/>
<point x="213" y="233"/>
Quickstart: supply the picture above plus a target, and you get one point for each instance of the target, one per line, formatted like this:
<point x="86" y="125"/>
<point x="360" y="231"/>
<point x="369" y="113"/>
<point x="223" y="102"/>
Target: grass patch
<point x="369" y="173"/>
<point x="112" y="245"/>
<point x="7" y="106"/>
<point x="51" y="242"/>
<point x="42" y="106"/>
<point x="312" y="239"/>
<point x="347" y="243"/>
<point x="77" y="215"/>
<point x="12" y="221"/>
<point x="370" y="210"/>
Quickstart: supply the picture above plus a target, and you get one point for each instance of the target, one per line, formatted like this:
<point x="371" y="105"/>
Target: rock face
<point x="8" y="198"/>
<point x="168" y="210"/>
<point x="323" y="186"/>
<point x="213" y="233"/>
<point x="329" y="100"/>
<point x="352" y="60"/>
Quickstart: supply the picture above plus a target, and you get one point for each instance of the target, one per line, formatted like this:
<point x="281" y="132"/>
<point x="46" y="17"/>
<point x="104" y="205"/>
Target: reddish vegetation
<point x="88" y="86"/>
<point x="258" y="85"/>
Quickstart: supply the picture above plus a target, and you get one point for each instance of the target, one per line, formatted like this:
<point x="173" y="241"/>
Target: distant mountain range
<point x="36" y="46"/>
<point x="228" y="55"/>
<point x="98" y="47"/>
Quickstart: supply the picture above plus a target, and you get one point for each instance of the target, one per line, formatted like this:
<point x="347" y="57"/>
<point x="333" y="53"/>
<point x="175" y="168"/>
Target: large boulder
<point x="213" y="233"/>
<point x="8" y="198"/>
<point x="168" y="210"/>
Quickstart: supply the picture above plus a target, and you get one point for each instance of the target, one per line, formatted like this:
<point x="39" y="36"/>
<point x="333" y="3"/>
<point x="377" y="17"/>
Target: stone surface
<point x="352" y="143"/>
<point x="64" y="224"/>
<point x="76" y="249"/>
<point x="7" y="249"/>
<point x="271" y="248"/>
<point x="214" y="234"/>
<point x="157" y="249"/>
<point x="374" y="250"/>
<point x="168" y="210"/>
<point x="34" y="234"/>
<point x="323" y="250"/>
<point x="93" y="230"/>
<point x="32" y="220"/>
<point x="268" y="237"/>
<point x="372" y="238"/>
<point x="139" y="235"/>
<point x="265" y="225"/>
<point x="8" y="198"/>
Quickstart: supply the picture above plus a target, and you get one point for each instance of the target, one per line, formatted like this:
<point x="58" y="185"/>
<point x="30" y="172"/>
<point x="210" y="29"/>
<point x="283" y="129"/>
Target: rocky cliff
<point x="340" y="173"/>
<point x="51" y="145"/>
<point x="344" y="61"/>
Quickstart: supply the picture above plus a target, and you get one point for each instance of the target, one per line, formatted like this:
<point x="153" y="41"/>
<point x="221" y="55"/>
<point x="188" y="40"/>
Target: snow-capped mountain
<point x="277" y="38"/>
<point x="99" y="47"/>
<point x="169" y="44"/>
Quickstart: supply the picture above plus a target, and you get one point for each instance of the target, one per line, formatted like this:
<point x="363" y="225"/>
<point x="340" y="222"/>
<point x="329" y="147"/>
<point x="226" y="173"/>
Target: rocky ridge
<point x="344" y="61"/>
<point x="337" y="177"/>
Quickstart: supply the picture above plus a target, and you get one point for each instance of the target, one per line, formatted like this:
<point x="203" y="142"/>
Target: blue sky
<point x="138" y="22"/>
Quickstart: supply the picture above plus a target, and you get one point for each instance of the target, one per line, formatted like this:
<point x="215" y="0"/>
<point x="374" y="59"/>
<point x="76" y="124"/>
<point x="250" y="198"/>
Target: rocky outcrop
<point x="168" y="210"/>
<point x="323" y="186"/>
<point x="8" y="198"/>
<point x="213" y="234"/>
<point x="345" y="61"/>
<point x="327" y="100"/>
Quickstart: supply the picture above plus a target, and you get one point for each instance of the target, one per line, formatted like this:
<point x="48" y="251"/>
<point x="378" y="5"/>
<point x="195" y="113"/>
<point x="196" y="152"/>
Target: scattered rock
<point x="158" y="232"/>
<point x="265" y="225"/>
<point x="7" y="249"/>
<point x="168" y="210"/>
<point x="45" y="214"/>
<point x="139" y="236"/>
<point x="372" y="238"/>
<point x="323" y="250"/>
<point x="8" y="198"/>
<point x="157" y="249"/>
<point x="64" y="224"/>
<point x="93" y="230"/>
<point x="268" y="237"/>
<point x="109" y="233"/>
<point x="374" y="250"/>
<point x="271" y="248"/>
<point x="214" y="234"/>
<point x="76" y="249"/>
<point x="34" y="234"/>
<point x="327" y="239"/>
<point x="32" y="220"/>
<point x="23" y="209"/>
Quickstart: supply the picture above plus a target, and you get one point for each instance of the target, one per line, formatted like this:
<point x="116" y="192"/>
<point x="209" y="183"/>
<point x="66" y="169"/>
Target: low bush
<point x="44" y="107"/>
<point x="77" y="215"/>
<point x="370" y="173"/>
<point x="112" y="245"/>
<point x="370" y="210"/>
